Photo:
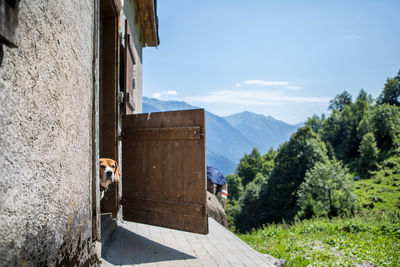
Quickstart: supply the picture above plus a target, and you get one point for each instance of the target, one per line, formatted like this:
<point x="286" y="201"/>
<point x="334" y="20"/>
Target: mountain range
<point x="229" y="138"/>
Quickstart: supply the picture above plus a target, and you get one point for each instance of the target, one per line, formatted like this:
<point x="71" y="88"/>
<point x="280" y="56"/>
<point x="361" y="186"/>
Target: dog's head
<point x="109" y="172"/>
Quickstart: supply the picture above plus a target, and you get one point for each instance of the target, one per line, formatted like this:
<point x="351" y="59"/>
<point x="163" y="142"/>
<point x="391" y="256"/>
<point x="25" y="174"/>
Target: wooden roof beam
<point x="149" y="21"/>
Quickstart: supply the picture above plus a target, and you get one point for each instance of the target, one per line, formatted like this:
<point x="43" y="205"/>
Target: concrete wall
<point x="45" y="136"/>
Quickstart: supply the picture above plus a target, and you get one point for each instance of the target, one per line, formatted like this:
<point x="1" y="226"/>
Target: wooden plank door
<point x="164" y="169"/>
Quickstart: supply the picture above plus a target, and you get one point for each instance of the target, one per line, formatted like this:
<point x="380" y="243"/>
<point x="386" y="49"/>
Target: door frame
<point x="104" y="10"/>
<point x="109" y="93"/>
<point x="95" y="194"/>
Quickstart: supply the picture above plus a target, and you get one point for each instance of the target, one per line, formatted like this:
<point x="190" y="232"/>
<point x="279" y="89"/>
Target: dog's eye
<point x="102" y="166"/>
<point x="113" y="166"/>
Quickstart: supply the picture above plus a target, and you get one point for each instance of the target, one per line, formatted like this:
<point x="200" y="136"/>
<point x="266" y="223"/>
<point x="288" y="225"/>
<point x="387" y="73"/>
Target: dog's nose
<point x="108" y="174"/>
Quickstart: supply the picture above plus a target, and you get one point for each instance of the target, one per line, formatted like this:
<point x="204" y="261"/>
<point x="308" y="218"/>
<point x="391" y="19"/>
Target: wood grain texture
<point x="129" y="64"/>
<point x="147" y="14"/>
<point x="178" y="133"/>
<point x="164" y="180"/>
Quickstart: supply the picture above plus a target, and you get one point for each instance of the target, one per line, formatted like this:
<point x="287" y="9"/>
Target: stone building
<point x="70" y="80"/>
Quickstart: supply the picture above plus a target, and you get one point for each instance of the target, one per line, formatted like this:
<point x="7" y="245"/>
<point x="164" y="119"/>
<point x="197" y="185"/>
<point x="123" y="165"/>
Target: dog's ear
<point x="117" y="172"/>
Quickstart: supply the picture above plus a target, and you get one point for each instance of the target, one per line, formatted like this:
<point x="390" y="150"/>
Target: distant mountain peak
<point x="248" y="114"/>
<point x="145" y="98"/>
<point x="266" y="131"/>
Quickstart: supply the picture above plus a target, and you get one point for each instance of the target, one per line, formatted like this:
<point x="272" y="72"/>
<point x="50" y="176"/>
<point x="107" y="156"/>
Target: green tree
<point x="235" y="186"/>
<point x="278" y="196"/>
<point x="385" y="122"/>
<point x="330" y="151"/>
<point x="231" y="211"/>
<point x="331" y="129"/>
<point x="368" y="154"/>
<point x="326" y="191"/>
<point x="348" y="125"/>
<point x="391" y="92"/>
<point x="362" y="105"/>
<point x="341" y="128"/>
<point x="268" y="162"/>
<point x="249" y="166"/>
<point x="365" y="97"/>
<point x="315" y="122"/>
<point x="340" y="101"/>
<point x="365" y="126"/>
<point x="249" y="204"/>
<point x="260" y="178"/>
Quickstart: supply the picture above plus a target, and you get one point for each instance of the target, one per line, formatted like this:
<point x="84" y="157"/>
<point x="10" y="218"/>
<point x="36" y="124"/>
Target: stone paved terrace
<point x="136" y="244"/>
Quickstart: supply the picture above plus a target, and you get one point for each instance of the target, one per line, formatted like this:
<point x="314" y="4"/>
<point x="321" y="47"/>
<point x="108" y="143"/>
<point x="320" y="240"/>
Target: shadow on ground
<point x="126" y="247"/>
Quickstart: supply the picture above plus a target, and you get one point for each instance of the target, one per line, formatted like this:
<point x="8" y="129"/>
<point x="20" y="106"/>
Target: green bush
<point x="326" y="191"/>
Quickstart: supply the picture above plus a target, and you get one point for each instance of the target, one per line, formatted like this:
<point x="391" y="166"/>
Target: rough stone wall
<point x="45" y="136"/>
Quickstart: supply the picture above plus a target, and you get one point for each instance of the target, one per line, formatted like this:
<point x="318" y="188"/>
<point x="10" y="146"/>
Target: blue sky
<point x="286" y="59"/>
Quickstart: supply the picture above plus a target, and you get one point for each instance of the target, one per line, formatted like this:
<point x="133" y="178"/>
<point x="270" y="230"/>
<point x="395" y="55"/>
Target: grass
<point x="381" y="193"/>
<point x="336" y="242"/>
<point x="371" y="237"/>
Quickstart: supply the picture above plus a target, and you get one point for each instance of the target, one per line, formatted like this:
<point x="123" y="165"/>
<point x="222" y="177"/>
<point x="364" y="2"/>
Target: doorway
<point x="108" y="94"/>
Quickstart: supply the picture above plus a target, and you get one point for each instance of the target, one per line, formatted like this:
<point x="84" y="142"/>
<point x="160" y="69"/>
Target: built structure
<point x="70" y="93"/>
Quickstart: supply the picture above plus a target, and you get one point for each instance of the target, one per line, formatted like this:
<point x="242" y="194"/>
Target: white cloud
<point x="284" y="84"/>
<point x="352" y="37"/>
<point x="292" y="87"/>
<point x="266" y="83"/>
<point x="160" y="94"/>
<point x="256" y="98"/>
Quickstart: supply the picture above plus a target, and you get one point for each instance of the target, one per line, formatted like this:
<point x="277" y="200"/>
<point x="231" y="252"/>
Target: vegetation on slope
<point x="338" y="173"/>
<point x="381" y="193"/>
<point x="369" y="240"/>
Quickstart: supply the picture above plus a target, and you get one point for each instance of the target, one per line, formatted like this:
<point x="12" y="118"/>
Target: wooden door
<point x="164" y="169"/>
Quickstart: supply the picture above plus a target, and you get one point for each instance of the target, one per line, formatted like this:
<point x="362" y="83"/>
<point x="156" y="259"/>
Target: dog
<point x="109" y="173"/>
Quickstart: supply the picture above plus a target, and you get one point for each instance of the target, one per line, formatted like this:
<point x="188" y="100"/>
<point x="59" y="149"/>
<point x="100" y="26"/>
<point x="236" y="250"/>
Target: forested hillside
<point x="325" y="167"/>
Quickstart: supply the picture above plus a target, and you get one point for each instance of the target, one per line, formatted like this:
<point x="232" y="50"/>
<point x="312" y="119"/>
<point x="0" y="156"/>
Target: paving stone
<point x="136" y="244"/>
